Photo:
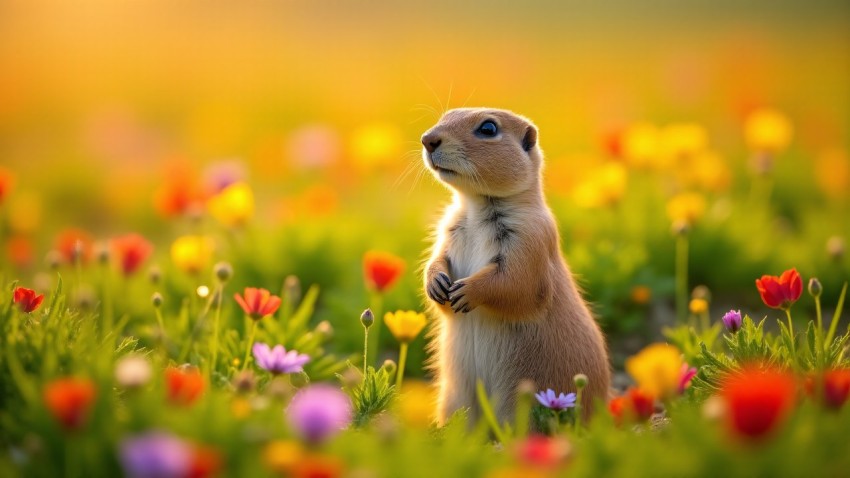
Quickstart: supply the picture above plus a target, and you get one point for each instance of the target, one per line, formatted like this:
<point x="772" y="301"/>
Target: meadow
<point x="214" y="217"/>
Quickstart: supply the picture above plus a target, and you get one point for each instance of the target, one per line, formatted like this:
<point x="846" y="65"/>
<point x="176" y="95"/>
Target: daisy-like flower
<point x="277" y="360"/>
<point x="258" y="303"/>
<point x="556" y="402"/>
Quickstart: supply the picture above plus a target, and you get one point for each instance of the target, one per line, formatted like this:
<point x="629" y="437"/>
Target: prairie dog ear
<point x="529" y="139"/>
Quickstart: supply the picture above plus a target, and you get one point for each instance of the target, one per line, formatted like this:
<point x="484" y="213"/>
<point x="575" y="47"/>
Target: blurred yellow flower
<point x="832" y="172"/>
<point x="698" y="306"/>
<point x="641" y="294"/>
<point x="376" y="144"/>
<point x="686" y="208"/>
<point x="681" y="140"/>
<point x="416" y="403"/>
<point x="405" y="325"/>
<point x="233" y="206"/>
<point x="604" y="186"/>
<point x="657" y="369"/>
<point x="707" y="171"/>
<point x="640" y="144"/>
<point x="191" y="254"/>
<point x="281" y="456"/>
<point x="240" y="407"/>
<point x="767" y="131"/>
<point x="25" y="211"/>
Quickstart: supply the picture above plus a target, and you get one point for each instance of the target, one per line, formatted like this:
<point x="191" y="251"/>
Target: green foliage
<point x="372" y="395"/>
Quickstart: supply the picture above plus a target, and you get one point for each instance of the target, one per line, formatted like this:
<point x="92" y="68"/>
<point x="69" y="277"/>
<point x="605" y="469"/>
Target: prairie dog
<point x="507" y="304"/>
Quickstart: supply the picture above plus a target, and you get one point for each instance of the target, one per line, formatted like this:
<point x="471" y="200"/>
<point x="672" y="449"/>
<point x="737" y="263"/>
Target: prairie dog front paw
<point x="438" y="287"/>
<point x="460" y="299"/>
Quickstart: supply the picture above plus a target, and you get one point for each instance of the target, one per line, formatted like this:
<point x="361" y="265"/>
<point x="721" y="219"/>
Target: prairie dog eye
<point x="488" y="129"/>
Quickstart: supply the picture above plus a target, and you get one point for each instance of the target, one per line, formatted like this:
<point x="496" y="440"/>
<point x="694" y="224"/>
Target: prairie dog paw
<point x="459" y="298"/>
<point x="438" y="288"/>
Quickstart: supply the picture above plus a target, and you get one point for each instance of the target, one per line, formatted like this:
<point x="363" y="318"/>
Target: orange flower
<point x="7" y="180"/>
<point x="634" y="405"/>
<point x="183" y="385"/>
<point x="74" y="244"/>
<point x="757" y="401"/>
<point x="20" y="251"/>
<point x="179" y="194"/>
<point x="69" y="400"/>
<point x="27" y="299"/>
<point x="382" y="269"/>
<point x="258" y="303"/>
<point x="317" y="466"/>
<point x="836" y="387"/>
<point x="543" y="451"/>
<point x="131" y="250"/>
<point x="205" y="462"/>
<point x="780" y="292"/>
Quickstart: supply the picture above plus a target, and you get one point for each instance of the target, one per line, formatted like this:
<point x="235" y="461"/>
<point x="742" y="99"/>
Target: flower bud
<point x="154" y="275"/>
<point x="390" y="366"/>
<point x="102" y="254"/>
<point x="156" y="299"/>
<point x="223" y="271"/>
<point x="351" y="378"/>
<point x="580" y="380"/>
<point x="244" y="381"/>
<point x="53" y="259"/>
<point x="835" y="248"/>
<point x="732" y="320"/>
<point x="292" y="289"/>
<point x="299" y="380"/>
<point x="698" y="306"/>
<point x="132" y="371"/>
<point x="815" y="288"/>
<point x="701" y="292"/>
<point x="681" y="228"/>
<point x="367" y="318"/>
<point x="325" y="330"/>
<point x="203" y="291"/>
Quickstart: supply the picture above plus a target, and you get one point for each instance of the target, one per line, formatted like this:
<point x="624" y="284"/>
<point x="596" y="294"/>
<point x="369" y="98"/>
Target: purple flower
<point x="155" y="454"/>
<point x="318" y="412"/>
<point x="549" y="400"/>
<point x="732" y="320"/>
<point x="277" y="360"/>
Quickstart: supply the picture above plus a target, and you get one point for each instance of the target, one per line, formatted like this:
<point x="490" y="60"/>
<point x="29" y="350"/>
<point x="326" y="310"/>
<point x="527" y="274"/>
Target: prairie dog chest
<point x="479" y="236"/>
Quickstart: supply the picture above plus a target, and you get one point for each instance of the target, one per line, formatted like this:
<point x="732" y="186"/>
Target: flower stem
<point x="365" y="348"/>
<point x="791" y="332"/>
<point x="821" y="349"/>
<point x="250" y="343"/>
<point x="214" y="361"/>
<point x="376" y="304"/>
<point x="682" y="277"/>
<point x="402" y="359"/>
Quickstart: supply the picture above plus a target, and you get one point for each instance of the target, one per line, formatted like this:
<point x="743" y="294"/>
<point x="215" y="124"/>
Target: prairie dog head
<point x="483" y="151"/>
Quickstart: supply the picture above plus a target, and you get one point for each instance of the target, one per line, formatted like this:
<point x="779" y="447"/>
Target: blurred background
<point x="127" y="116"/>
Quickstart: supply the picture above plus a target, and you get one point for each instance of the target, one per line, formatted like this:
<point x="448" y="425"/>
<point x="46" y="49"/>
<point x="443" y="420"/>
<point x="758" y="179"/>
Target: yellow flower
<point x="686" y="207"/>
<point x="698" y="306"/>
<point x="707" y="171"/>
<point x="640" y="144"/>
<point x="832" y="172"/>
<point x="417" y="403"/>
<point x="604" y="187"/>
<point x="681" y="140"/>
<point x="192" y="253"/>
<point x="233" y="206"/>
<point x="768" y="131"/>
<point x="281" y="456"/>
<point x="376" y="145"/>
<point x="656" y="369"/>
<point x="405" y="325"/>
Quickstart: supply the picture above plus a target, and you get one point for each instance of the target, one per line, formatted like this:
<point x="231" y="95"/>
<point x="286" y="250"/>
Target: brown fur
<point x="517" y="314"/>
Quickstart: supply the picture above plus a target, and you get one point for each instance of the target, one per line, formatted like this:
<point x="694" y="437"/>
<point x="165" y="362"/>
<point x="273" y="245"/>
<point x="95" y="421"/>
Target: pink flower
<point x="688" y="373"/>
<point x="277" y="360"/>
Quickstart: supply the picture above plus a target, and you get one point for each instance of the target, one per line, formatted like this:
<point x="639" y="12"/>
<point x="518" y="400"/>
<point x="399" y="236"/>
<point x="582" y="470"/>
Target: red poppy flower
<point x="382" y="269"/>
<point x="74" y="244"/>
<point x="780" y="292"/>
<point x="183" y="385"/>
<point x="258" y="303"/>
<point x="27" y="299"/>
<point x="179" y="193"/>
<point x="20" y="251"/>
<point x="543" y="451"/>
<point x="836" y="387"/>
<point x="69" y="400"/>
<point x="317" y="466"/>
<point x="635" y="404"/>
<point x="757" y="401"/>
<point x="6" y="182"/>
<point x="131" y="251"/>
<point x="206" y="462"/>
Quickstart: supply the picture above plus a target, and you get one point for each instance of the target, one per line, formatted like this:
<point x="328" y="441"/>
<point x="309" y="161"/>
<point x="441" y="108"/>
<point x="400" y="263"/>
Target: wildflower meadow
<point x="214" y="218"/>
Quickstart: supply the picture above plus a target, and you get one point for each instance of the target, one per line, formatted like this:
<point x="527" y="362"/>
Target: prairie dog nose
<point x="431" y="141"/>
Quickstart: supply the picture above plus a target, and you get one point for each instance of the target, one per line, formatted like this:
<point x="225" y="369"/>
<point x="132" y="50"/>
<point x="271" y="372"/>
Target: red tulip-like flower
<point x="780" y="292"/>
<point x="258" y="303"/>
<point x="27" y="299"/>
<point x="382" y="269"/>
<point x="757" y="401"/>
<point x="205" y="462"/>
<point x="543" y="451"/>
<point x="836" y="387"/>
<point x="634" y="405"/>
<point x="131" y="251"/>
<point x="74" y="245"/>
<point x="69" y="400"/>
<point x="183" y="385"/>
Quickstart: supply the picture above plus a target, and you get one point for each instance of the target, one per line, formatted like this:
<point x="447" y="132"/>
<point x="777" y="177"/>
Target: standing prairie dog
<point x="509" y="309"/>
